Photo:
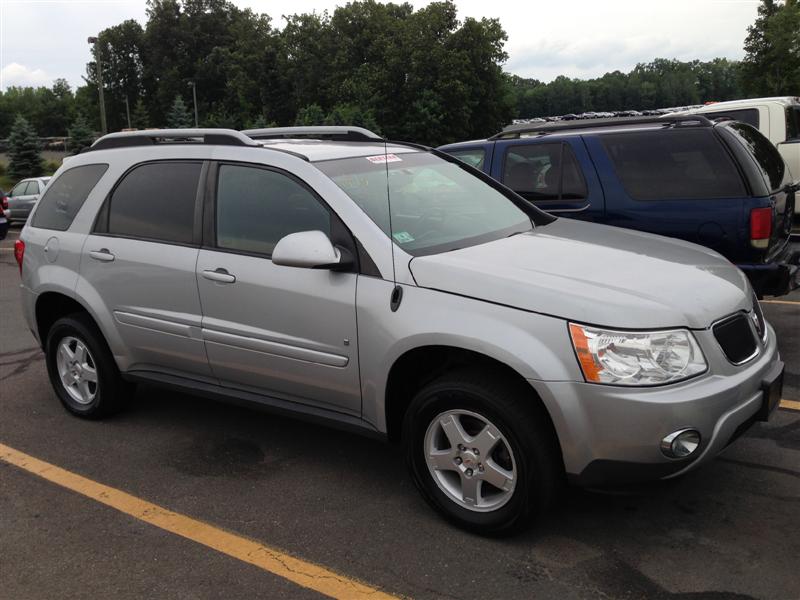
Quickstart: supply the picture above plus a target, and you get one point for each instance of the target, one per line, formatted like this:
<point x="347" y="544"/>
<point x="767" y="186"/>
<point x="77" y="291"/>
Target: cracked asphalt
<point x="727" y="530"/>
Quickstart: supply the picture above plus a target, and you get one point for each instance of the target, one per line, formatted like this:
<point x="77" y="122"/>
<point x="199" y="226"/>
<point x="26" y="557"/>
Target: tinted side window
<point x="257" y="207"/>
<point x="156" y="201"/>
<point x="766" y="155"/>
<point x="793" y="122"/>
<point x="745" y="115"/>
<point x="64" y="197"/>
<point x="685" y="164"/>
<point x="535" y="172"/>
<point x="474" y="157"/>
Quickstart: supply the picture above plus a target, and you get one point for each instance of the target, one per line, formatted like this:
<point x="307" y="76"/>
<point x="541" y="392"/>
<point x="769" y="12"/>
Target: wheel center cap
<point x="469" y="460"/>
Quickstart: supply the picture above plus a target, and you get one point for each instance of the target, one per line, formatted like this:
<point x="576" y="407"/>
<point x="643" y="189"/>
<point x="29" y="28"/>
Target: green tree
<point x="139" y="118"/>
<point x="178" y="116"/>
<point x="771" y="65"/>
<point x="24" y="151"/>
<point x="80" y="135"/>
<point x="310" y="115"/>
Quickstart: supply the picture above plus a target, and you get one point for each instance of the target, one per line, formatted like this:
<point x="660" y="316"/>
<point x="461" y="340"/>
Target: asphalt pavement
<point x="728" y="530"/>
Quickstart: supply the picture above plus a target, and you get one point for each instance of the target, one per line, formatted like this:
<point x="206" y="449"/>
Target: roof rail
<point x="514" y="131"/>
<point x="151" y="137"/>
<point x="338" y="133"/>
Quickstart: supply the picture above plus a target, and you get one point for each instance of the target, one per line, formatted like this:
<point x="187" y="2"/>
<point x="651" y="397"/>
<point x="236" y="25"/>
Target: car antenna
<point x="397" y="291"/>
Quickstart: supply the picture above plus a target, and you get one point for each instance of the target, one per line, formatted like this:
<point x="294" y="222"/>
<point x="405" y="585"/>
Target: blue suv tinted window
<point x="544" y="171"/>
<point x="769" y="160"/>
<point x="681" y="164"/>
<point x="64" y="197"/>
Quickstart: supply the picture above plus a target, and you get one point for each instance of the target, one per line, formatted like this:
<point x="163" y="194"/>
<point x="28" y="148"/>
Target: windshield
<point x="437" y="206"/>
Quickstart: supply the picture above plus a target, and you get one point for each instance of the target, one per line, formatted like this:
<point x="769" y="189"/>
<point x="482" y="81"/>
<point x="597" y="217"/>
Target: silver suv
<point x="393" y="290"/>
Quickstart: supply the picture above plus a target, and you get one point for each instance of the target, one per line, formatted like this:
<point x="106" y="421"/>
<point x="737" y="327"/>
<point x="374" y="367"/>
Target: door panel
<point x="151" y="290"/>
<point x="282" y="331"/>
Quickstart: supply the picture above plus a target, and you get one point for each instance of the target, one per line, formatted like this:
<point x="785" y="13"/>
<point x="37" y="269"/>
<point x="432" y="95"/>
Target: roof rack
<point x="151" y="137"/>
<point x="339" y="133"/>
<point x="515" y="131"/>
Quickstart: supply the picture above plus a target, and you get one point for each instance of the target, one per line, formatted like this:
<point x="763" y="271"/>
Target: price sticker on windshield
<point x="384" y="158"/>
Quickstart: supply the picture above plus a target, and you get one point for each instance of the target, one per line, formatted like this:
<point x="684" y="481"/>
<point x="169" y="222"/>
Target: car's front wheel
<point x="481" y="452"/>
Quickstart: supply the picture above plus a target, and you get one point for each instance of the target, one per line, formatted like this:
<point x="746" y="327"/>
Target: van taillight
<point x="19" y="253"/>
<point x="4" y="200"/>
<point x="760" y="227"/>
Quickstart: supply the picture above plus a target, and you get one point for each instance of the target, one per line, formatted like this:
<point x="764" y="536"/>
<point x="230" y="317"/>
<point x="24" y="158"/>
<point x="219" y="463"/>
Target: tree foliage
<point x="178" y="116"/>
<point x="80" y="135"/>
<point x="24" y="152"/>
<point x="771" y="65"/>
<point x="423" y="75"/>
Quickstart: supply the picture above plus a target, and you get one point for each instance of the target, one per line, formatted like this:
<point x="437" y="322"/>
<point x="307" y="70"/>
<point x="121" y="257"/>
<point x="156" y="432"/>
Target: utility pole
<point x="103" y="126"/>
<point x="128" y="111"/>
<point x="194" y="98"/>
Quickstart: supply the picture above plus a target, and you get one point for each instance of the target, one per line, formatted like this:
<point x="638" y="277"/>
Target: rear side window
<point x="64" y="197"/>
<point x="673" y="164"/>
<point x="156" y="201"/>
<point x="257" y="207"/>
<point x="544" y="172"/>
<point x="474" y="157"/>
<point x="19" y="189"/>
<point x="769" y="160"/>
<point x="793" y="123"/>
<point x="745" y="115"/>
<point x="33" y="188"/>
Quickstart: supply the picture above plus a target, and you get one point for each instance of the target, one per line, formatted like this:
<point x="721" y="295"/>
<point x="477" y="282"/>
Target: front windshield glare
<point x="436" y="205"/>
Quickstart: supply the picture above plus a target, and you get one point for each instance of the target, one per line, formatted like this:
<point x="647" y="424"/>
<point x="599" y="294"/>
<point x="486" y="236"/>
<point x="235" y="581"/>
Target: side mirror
<point x="309" y="250"/>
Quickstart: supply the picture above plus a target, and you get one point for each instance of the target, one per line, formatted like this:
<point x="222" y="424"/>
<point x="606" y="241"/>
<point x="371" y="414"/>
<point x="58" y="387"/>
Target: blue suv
<point x="719" y="184"/>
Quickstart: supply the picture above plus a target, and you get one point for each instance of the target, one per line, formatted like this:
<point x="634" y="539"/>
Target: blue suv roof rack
<point x="514" y="131"/>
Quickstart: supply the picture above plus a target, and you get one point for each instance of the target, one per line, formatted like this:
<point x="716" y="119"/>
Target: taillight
<point x="4" y="200"/>
<point x="19" y="253"/>
<point x="760" y="227"/>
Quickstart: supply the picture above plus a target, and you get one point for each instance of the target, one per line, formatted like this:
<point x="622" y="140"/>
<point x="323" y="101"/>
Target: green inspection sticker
<point x="403" y="237"/>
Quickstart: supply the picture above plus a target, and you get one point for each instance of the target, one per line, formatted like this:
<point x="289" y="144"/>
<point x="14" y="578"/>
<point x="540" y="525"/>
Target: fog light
<point x="681" y="443"/>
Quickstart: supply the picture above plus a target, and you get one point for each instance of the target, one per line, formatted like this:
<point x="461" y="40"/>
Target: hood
<point x="594" y="274"/>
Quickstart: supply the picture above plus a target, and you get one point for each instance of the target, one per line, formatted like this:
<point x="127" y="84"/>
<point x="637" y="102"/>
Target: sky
<point x="41" y="40"/>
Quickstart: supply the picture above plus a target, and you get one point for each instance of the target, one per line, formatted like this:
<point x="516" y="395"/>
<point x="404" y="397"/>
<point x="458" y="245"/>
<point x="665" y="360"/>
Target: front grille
<point x="735" y="337"/>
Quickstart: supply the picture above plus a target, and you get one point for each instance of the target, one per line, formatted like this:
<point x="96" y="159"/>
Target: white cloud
<point x="15" y="74"/>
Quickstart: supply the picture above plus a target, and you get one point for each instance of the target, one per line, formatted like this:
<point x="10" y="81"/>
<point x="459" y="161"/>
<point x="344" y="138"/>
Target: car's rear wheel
<point x="82" y="370"/>
<point x="481" y="451"/>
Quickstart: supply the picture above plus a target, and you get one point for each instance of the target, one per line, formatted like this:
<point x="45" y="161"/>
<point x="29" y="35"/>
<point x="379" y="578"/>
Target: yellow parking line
<point x="277" y="562"/>
<point x="779" y="302"/>
<point x="790" y="404"/>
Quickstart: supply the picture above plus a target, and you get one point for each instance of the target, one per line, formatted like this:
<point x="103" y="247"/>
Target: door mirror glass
<point x="306" y="250"/>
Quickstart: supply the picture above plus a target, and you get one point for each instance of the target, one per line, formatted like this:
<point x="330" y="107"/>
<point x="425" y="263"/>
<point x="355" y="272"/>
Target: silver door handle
<point x="102" y="255"/>
<point x="219" y="275"/>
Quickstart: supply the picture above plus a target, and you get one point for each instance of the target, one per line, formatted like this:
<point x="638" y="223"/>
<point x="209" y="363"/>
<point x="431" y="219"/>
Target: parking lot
<point x="268" y="507"/>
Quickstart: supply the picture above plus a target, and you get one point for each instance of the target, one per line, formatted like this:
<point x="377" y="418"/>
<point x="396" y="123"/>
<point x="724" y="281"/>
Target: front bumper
<point x="778" y="277"/>
<point x="612" y="434"/>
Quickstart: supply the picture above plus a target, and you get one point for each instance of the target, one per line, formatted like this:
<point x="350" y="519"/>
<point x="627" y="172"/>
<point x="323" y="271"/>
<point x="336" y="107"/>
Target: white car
<point x="777" y="118"/>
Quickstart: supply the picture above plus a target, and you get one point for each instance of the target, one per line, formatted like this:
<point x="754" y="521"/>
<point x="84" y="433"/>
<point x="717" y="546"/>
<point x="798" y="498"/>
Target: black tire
<point x="111" y="392"/>
<point x="523" y="422"/>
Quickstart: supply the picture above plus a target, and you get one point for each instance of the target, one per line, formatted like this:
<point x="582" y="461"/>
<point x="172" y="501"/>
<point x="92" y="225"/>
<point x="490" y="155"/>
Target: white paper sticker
<point x="384" y="158"/>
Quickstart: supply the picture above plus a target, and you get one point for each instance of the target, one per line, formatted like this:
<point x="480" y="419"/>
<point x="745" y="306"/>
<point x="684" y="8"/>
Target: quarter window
<point x="156" y="201"/>
<point x="257" y="207"/>
<point x="474" y="157"/>
<point x="745" y="115"/>
<point x="769" y="160"/>
<point x="63" y="199"/>
<point x="544" y="172"/>
<point x="793" y="122"/>
<point x="676" y="164"/>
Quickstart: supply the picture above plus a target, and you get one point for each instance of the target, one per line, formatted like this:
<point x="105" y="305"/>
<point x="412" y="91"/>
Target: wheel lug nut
<point x="461" y="447"/>
<point x="469" y="472"/>
<point x="480" y="467"/>
<point x="458" y="460"/>
<point x="475" y="451"/>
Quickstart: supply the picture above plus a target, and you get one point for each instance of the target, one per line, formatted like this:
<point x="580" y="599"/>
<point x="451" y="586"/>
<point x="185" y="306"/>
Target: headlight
<point x="636" y="358"/>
